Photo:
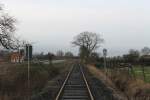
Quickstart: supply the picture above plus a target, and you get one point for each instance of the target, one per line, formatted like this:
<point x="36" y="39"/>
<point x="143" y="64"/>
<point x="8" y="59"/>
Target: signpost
<point x="28" y="57"/>
<point x="105" y="54"/>
<point x="28" y="48"/>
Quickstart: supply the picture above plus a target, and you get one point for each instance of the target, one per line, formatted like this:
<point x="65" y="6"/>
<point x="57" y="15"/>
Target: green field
<point x="138" y="70"/>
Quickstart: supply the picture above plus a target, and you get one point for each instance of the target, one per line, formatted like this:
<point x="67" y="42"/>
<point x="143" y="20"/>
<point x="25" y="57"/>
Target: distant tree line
<point x="50" y="56"/>
<point x="137" y="57"/>
<point x="133" y="57"/>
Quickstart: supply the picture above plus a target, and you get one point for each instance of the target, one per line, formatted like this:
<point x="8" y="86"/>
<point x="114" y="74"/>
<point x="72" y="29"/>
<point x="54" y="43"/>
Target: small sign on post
<point x="105" y="54"/>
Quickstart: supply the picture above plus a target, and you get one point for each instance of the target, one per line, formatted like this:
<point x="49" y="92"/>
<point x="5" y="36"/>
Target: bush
<point x="99" y="65"/>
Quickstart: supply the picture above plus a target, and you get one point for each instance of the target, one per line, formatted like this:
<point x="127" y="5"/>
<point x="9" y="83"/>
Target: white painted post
<point x="105" y="54"/>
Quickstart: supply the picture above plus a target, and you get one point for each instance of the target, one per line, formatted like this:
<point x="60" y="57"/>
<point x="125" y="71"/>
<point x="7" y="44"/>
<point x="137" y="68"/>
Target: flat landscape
<point x="74" y="50"/>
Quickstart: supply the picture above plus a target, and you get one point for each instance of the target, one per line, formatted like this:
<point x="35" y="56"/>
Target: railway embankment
<point x="101" y="87"/>
<point x="120" y="85"/>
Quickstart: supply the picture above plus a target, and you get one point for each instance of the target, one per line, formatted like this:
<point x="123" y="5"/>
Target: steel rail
<point x="67" y="79"/>
<point x="60" y="91"/>
<point x="89" y="91"/>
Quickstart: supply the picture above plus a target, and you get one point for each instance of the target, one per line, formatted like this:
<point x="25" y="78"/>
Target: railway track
<point x="75" y="86"/>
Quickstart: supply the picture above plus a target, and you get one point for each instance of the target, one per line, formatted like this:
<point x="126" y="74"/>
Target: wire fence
<point x="136" y="71"/>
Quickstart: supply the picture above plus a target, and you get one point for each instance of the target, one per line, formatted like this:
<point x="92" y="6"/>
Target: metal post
<point x="105" y="63"/>
<point x="19" y="54"/>
<point x="28" y="73"/>
<point x="105" y="54"/>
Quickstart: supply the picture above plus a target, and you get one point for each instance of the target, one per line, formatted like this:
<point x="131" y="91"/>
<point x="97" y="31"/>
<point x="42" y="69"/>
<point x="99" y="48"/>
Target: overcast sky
<point x="52" y="24"/>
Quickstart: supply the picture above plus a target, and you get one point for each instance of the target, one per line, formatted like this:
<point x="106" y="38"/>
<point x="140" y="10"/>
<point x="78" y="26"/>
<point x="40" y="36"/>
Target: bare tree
<point x="132" y="56"/>
<point x="87" y="42"/>
<point x="7" y="28"/>
<point x="134" y="52"/>
<point x="69" y="54"/>
<point x="60" y="53"/>
<point x="145" y="51"/>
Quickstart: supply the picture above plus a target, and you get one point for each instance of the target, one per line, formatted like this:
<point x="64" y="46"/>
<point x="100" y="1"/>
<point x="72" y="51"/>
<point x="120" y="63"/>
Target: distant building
<point x="17" y="57"/>
<point x="22" y="55"/>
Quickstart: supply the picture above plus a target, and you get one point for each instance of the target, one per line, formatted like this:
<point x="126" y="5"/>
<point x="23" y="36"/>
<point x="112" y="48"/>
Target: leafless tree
<point x="145" y="51"/>
<point x="88" y="42"/>
<point x="7" y="28"/>
<point x="69" y="54"/>
<point x="132" y="56"/>
<point x="60" y="53"/>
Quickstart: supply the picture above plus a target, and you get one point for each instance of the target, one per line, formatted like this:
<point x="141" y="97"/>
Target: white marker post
<point x="105" y="54"/>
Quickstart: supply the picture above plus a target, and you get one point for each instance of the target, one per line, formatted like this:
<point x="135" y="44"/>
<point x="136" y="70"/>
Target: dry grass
<point x="101" y="76"/>
<point x="133" y="88"/>
<point x="120" y="79"/>
<point x="137" y="88"/>
<point x="13" y="79"/>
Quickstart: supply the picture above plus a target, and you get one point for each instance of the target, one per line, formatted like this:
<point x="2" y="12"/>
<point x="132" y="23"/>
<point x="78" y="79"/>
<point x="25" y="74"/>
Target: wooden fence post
<point x="143" y="71"/>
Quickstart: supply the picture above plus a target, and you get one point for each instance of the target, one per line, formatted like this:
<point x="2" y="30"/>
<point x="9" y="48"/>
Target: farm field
<point x="138" y="70"/>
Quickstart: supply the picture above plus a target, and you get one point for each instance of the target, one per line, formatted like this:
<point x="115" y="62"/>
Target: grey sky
<point x="52" y="24"/>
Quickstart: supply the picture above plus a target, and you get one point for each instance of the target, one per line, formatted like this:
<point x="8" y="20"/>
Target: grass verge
<point x="14" y="79"/>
